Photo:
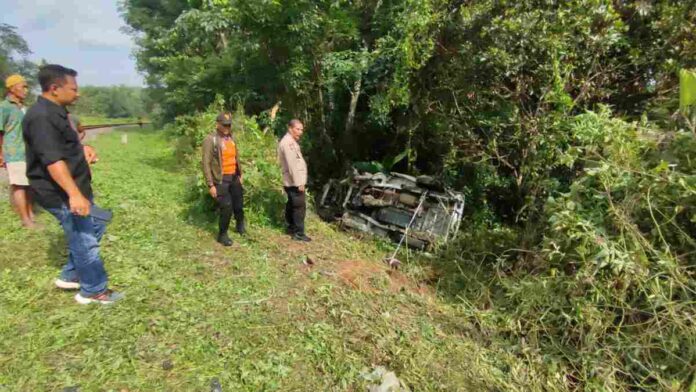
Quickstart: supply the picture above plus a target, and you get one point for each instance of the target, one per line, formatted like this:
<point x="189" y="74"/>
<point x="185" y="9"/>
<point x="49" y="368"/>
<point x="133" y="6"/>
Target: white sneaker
<point x="106" y="298"/>
<point x="67" y="284"/>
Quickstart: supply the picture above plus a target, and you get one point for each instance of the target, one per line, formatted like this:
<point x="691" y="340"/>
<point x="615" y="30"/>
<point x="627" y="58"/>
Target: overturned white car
<point x="393" y="205"/>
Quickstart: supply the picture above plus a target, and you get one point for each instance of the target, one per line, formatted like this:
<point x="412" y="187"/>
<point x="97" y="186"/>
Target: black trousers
<point x="295" y="209"/>
<point x="230" y="196"/>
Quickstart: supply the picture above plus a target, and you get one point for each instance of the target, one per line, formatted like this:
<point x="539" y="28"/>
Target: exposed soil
<point x="370" y="276"/>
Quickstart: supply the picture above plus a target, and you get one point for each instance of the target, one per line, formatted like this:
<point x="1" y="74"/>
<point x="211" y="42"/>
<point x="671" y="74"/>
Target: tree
<point x="449" y="82"/>
<point x="111" y="101"/>
<point x="13" y="52"/>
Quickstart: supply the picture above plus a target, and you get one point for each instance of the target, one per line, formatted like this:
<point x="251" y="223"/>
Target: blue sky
<point x="81" y="34"/>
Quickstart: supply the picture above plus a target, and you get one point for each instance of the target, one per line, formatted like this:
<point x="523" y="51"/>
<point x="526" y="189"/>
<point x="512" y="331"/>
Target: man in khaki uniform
<point x="294" y="179"/>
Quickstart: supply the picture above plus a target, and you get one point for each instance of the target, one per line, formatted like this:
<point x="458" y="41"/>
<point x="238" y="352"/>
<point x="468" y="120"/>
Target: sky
<point x="81" y="34"/>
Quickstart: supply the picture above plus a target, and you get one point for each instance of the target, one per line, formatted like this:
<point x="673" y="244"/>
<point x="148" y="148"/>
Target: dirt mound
<point x="321" y="256"/>
<point x="370" y="276"/>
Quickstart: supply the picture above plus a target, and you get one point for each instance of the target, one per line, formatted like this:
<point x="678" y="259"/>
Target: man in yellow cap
<point x="12" y="111"/>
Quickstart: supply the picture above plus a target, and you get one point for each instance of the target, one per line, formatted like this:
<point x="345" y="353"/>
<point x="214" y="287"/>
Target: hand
<point x="90" y="154"/>
<point x="301" y="188"/>
<point x="213" y="192"/>
<point x="241" y="181"/>
<point x="79" y="205"/>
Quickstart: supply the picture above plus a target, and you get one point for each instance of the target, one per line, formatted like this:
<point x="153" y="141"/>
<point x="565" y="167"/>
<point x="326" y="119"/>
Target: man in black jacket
<point x="61" y="182"/>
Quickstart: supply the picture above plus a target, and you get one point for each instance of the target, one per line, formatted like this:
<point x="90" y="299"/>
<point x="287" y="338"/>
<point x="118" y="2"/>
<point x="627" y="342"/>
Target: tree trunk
<point x="273" y="113"/>
<point x="275" y="109"/>
<point x="354" y="95"/>
<point x="223" y="41"/>
<point x="320" y="93"/>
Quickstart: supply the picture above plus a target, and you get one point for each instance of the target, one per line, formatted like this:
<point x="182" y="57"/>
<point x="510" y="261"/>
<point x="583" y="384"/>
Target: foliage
<point x="319" y="58"/>
<point x="510" y="74"/>
<point x="608" y="294"/>
<point x="13" y="53"/>
<point x="423" y="76"/>
<point x="624" y="236"/>
<point x="110" y="102"/>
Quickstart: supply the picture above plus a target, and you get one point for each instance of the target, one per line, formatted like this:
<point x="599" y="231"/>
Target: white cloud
<point x="84" y="34"/>
<point x="92" y="23"/>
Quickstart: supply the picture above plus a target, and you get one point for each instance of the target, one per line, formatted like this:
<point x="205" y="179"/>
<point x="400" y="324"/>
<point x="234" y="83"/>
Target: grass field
<point x="254" y="316"/>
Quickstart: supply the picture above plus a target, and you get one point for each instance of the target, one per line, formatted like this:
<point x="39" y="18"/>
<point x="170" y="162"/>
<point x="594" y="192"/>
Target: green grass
<point x="252" y="316"/>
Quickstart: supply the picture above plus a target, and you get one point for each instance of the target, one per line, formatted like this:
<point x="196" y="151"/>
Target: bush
<point x="606" y="296"/>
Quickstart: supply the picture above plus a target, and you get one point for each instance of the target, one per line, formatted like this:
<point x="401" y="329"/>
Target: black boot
<point x="225" y="218"/>
<point x="241" y="227"/>
<point x="301" y="237"/>
<point x="224" y="239"/>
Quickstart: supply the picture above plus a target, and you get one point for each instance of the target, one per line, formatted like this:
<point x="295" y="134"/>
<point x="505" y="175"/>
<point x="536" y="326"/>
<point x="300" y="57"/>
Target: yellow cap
<point x="14" y="79"/>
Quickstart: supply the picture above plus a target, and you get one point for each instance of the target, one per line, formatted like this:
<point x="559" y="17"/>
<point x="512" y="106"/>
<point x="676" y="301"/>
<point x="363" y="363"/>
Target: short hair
<point x="54" y="74"/>
<point x="292" y="123"/>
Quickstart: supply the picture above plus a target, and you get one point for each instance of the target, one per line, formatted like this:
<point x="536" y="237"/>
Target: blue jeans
<point x="83" y="234"/>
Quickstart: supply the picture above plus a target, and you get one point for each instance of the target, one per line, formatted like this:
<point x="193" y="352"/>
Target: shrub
<point x="606" y="296"/>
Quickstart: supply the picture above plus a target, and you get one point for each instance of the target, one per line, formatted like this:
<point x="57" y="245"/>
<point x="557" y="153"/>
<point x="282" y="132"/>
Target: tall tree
<point x="13" y="53"/>
<point x="111" y="101"/>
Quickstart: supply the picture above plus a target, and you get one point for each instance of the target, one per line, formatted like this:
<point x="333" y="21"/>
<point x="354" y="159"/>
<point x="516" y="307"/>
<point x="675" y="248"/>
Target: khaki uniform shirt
<point x="291" y="162"/>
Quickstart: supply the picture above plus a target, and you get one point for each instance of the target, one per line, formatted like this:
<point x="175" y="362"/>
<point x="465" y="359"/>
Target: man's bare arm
<point x="61" y="175"/>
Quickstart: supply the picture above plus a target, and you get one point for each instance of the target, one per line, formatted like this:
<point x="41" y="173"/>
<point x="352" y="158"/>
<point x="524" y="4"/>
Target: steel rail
<point x="88" y="127"/>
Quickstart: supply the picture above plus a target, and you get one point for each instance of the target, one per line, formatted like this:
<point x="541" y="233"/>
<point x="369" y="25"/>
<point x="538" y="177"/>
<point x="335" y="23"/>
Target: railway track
<point x="88" y="127"/>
